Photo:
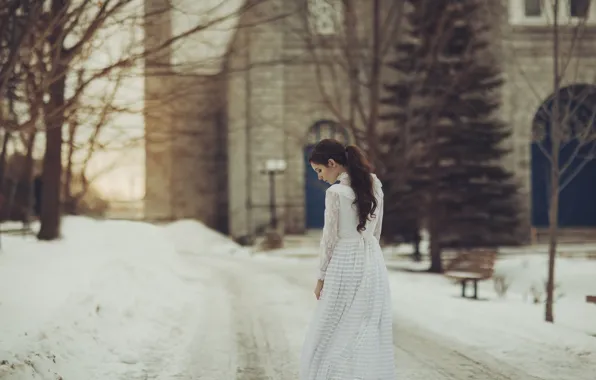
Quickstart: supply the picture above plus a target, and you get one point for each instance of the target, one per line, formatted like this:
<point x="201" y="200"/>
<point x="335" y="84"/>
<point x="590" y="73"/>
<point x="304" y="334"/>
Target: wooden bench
<point x="471" y="266"/>
<point x="591" y="299"/>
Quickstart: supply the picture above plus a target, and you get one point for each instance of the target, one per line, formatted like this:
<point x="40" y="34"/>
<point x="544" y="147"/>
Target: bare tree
<point x="61" y="35"/>
<point x="87" y="125"/>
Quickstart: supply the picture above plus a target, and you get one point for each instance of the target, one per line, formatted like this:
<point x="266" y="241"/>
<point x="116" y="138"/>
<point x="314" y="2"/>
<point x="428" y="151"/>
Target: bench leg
<point x="463" y="288"/>
<point x="475" y="289"/>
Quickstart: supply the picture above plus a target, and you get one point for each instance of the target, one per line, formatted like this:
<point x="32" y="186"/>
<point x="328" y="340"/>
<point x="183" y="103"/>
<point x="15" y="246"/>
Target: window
<point x="541" y="12"/>
<point x="325" y="16"/>
<point x="533" y="8"/>
<point x="579" y="8"/>
<point x="328" y="129"/>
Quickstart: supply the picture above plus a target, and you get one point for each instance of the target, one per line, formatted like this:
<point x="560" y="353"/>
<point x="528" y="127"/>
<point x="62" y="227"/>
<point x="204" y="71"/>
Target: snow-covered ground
<point x="109" y="299"/>
<point x="510" y="329"/>
<point x="129" y="300"/>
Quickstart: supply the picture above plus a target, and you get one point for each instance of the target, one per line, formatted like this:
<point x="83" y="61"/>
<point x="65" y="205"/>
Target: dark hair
<point x="359" y="169"/>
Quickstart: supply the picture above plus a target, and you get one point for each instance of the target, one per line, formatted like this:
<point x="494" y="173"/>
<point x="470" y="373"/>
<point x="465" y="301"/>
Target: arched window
<point x="325" y="16"/>
<point x="327" y="129"/>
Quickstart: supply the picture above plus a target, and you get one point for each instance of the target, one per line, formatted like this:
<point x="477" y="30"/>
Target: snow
<point x="508" y="328"/>
<point x="92" y="304"/>
<point x="574" y="279"/>
<point x="525" y="277"/>
<point x="130" y="300"/>
<point x="191" y="236"/>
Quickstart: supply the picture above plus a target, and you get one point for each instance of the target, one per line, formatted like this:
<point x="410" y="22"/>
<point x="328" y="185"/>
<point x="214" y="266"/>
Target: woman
<point x="350" y="337"/>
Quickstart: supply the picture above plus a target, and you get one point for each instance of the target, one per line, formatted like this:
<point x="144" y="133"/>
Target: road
<point x="257" y="314"/>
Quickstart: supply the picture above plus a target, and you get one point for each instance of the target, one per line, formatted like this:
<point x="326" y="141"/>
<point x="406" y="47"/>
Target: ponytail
<point x="360" y="169"/>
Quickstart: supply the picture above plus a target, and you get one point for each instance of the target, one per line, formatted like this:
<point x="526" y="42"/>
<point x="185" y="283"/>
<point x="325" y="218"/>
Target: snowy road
<point x="257" y="311"/>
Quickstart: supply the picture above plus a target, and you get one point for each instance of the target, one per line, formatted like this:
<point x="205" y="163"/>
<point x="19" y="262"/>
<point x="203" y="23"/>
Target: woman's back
<point x="342" y="197"/>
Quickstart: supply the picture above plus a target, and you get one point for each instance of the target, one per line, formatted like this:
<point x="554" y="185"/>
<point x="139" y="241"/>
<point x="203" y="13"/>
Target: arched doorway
<point x="577" y="195"/>
<point x="314" y="190"/>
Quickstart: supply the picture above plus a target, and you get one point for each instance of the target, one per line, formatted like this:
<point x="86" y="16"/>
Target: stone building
<point x="209" y="136"/>
<point x="527" y="45"/>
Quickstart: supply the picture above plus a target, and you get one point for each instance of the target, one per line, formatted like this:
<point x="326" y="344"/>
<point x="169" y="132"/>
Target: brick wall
<point x="186" y="150"/>
<point x="255" y="115"/>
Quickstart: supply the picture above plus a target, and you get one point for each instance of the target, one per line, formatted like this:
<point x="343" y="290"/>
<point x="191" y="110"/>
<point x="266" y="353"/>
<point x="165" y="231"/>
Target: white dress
<point x="350" y="336"/>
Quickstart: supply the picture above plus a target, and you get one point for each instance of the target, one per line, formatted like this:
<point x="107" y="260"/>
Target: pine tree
<point x="468" y="198"/>
<point x="403" y="217"/>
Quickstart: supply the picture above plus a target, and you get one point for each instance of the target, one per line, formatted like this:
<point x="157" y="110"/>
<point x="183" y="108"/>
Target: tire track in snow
<point x="249" y="364"/>
<point x="207" y="357"/>
<point x="447" y="361"/>
<point x="266" y="328"/>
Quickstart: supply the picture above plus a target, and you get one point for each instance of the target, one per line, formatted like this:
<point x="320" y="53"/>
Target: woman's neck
<point x="343" y="178"/>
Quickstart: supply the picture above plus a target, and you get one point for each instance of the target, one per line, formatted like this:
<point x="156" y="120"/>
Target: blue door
<point x="577" y="195"/>
<point x="314" y="195"/>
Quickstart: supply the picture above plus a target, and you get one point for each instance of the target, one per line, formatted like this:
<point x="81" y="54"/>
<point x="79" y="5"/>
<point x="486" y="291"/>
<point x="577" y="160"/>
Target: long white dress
<point x="350" y="336"/>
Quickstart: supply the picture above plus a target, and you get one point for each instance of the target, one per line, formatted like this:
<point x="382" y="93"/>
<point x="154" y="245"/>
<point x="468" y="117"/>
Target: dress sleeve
<point x="330" y="231"/>
<point x="380" y="208"/>
<point x="379" y="216"/>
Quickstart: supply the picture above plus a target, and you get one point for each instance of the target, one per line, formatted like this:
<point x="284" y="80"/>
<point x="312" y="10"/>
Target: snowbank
<point x="91" y="305"/>
<point x="191" y="236"/>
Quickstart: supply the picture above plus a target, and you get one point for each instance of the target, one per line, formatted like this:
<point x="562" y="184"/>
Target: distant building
<point x="208" y="135"/>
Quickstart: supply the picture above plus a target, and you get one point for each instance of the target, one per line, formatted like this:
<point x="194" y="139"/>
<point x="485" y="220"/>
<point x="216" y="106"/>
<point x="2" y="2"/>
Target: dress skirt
<point x="351" y="334"/>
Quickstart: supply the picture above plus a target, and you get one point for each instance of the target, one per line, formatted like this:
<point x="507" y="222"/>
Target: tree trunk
<point x="417" y="256"/>
<point x="3" y="156"/>
<point x="436" y="262"/>
<point x="54" y="115"/>
<point x="352" y="54"/>
<point x="433" y="211"/>
<point x="555" y="136"/>
<point x="52" y="165"/>
<point x="375" y="86"/>
<point x="68" y="175"/>
<point x="28" y="178"/>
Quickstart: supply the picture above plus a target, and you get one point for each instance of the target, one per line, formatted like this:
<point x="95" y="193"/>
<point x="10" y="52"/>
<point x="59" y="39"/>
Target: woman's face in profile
<point x="327" y="173"/>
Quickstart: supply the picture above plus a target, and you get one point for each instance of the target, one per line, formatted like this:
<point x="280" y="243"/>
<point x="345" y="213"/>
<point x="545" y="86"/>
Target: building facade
<point x="528" y="51"/>
<point x="277" y="94"/>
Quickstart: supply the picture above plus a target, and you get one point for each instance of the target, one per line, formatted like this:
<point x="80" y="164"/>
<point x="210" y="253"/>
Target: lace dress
<point x="350" y="336"/>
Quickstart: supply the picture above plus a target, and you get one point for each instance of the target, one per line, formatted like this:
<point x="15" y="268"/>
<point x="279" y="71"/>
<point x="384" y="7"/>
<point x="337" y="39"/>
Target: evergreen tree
<point x="451" y="112"/>
<point x="403" y="217"/>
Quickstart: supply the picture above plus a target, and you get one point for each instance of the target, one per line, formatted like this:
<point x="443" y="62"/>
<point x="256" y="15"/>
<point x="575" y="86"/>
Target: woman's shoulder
<point x="342" y="190"/>
<point x="335" y="188"/>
